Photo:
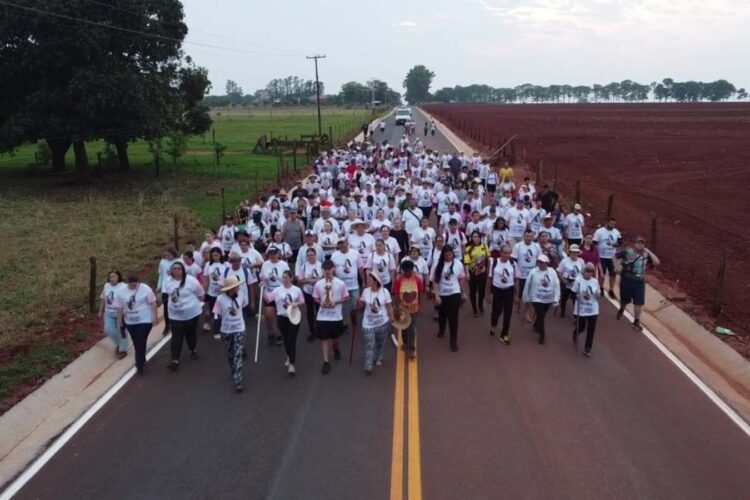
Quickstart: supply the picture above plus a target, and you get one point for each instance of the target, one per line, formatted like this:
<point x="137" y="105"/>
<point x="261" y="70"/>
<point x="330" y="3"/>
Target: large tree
<point x="417" y="84"/>
<point x="75" y="70"/>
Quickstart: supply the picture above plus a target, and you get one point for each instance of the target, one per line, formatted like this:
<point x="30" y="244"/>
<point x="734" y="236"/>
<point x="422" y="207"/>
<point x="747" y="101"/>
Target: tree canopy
<point x="417" y="84"/>
<point x="74" y="71"/>
<point x="625" y="91"/>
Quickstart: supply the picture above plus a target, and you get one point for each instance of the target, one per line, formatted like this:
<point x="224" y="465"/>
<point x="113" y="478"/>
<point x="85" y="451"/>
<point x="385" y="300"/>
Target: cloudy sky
<point x="496" y="42"/>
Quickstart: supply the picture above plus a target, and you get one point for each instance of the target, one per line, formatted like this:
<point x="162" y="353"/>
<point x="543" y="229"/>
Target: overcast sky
<point x="502" y="43"/>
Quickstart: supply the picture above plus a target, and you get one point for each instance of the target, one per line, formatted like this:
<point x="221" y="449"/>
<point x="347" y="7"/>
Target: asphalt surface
<point x="518" y="421"/>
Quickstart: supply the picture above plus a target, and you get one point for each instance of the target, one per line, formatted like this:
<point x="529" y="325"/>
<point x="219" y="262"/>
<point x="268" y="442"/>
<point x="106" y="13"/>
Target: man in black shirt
<point x="548" y="197"/>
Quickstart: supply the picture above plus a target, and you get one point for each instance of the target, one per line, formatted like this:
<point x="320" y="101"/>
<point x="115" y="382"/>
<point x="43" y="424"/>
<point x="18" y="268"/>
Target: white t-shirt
<point x="391" y="245"/>
<point x="574" y="226"/>
<point x="248" y="260"/>
<point x="587" y="293"/>
<point x="270" y="273"/>
<point x="517" y="221"/>
<point x="193" y="269"/>
<point x="536" y="216"/>
<point x="227" y="235"/>
<point x="230" y="311"/>
<point x="376" y="312"/>
<point x="444" y="199"/>
<point x="285" y="297"/>
<point x="498" y="238"/>
<point x="424" y="197"/>
<point x="364" y="244"/>
<point x="136" y="304"/>
<point x="382" y="265"/>
<point x="502" y="273"/>
<point x="328" y="240"/>
<point x="425" y="240"/>
<point x="309" y="271"/>
<point x="525" y="257"/>
<point x="606" y="242"/>
<point x="339" y="292"/>
<point x="542" y="286"/>
<point x="215" y="273"/>
<point x="570" y="269"/>
<point x="452" y="272"/>
<point x="184" y="301"/>
<point x="447" y="217"/>
<point x="242" y="274"/>
<point x="109" y="296"/>
<point x="420" y="265"/>
<point x="346" y="267"/>
<point x="457" y="241"/>
<point x="412" y="217"/>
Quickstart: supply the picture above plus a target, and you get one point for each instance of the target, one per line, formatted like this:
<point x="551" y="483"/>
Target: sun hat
<point x="401" y="318"/>
<point x="230" y="283"/>
<point x="294" y="314"/>
<point x="574" y="248"/>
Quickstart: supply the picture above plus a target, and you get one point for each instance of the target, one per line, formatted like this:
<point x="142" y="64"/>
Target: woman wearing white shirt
<point x="165" y="265"/>
<point x="424" y="237"/>
<point x="569" y="269"/>
<point x="213" y="277"/>
<point x="308" y="273"/>
<point x="501" y="282"/>
<point x="379" y="222"/>
<point x="108" y="313"/>
<point x="184" y="294"/>
<point x="270" y="275"/>
<point x="382" y="262"/>
<point x="136" y="311"/>
<point x="420" y="264"/>
<point x="378" y="312"/>
<point x="284" y="296"/>
<point x="542" y="289"/>
<point x="285" y="251"/>
<point x="328" y="239"/>
<point x="447" y="275"/>
<point x="499" y="236"/>
<point x="586" y="307"/>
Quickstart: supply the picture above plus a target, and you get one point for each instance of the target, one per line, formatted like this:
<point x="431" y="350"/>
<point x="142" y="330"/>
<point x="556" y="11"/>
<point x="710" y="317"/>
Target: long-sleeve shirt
<point x="542" y="286"/>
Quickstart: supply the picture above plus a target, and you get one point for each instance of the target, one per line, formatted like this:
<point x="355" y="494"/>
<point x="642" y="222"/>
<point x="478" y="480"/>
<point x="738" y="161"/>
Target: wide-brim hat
<point x="294" y="314"/>
<point x="401" y="318"/>
<point x="230" y="283"/>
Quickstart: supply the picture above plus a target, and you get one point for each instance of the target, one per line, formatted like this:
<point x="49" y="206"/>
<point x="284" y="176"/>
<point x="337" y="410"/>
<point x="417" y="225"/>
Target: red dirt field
<point x="686" y="164"/>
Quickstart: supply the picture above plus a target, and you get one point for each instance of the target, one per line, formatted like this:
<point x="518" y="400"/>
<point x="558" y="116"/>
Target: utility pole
<point x="317" y="90"/>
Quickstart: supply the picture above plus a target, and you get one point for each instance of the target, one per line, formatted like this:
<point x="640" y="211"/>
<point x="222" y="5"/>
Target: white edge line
<point x="71" y="431"/>
<point x="715" y="398"/>
<point x="427" y="115"/>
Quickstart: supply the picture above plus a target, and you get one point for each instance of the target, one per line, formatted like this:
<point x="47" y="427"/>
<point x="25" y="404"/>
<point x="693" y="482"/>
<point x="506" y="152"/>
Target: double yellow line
<point x="409" y="406"/>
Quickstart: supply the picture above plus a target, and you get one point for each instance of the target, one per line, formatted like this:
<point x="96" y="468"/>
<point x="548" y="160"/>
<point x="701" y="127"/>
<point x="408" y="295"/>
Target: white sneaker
<point x="206" y="327"/>
<point x="286" y="363"/>
<point x="291" y="370"/>
<point x="217" y="336"/>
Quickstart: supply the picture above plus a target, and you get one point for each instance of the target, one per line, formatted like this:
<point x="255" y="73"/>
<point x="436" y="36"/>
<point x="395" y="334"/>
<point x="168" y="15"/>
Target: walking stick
<point x="260" y="317"/>
<point x="351" y="348"/>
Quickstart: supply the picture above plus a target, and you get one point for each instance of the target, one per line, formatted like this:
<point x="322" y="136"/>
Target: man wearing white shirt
<point x="412" y="216"/>
<point x="536" y="216"/>
<point x="346" y="261"/>
<point x="574" y="223"/>
<point x="444" y="198"/>
<point x="517" y="219"/>
<point x="451" y="214"/>
<point x="542" y="289"/>
<point x="325" y="216"/>
<point x="607" y="239"/>
<point x="309" y="243"/>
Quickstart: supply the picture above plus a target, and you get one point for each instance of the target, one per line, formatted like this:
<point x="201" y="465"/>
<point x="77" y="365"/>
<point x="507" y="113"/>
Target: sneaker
<point x="336" y="354"/>
<point x="286" y="363"/>
<point x="238" y="387"/>
<point x="587" y="354"/>
<point x="637" y="324"/>
<point x="505" y="339"/>
<point x="612" y="294"/>
<point x="379" y="362"/>
<point x="217" y="336"/>
<point x="291" y="371"/>
<point x="326" y="368"/>
<point x="492" y="331"/>
<point x="206" y="327"/>
<point x="619" y="313"/>
<point x="139" y="370"/>
<point x="194" y="355"/>
<point x="173" y="365"/>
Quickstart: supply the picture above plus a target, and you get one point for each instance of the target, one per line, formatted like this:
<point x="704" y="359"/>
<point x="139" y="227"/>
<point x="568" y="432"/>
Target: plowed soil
<point x="688" y="165"/>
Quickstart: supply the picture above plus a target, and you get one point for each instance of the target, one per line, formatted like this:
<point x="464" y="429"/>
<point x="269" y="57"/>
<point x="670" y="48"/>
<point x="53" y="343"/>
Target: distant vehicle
<point x="403" y="115"/>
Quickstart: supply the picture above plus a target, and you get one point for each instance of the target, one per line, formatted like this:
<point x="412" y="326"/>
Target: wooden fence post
<point x="719" y="297"/>
<point x="213" y="135"/>
<point x="654" y="225"/>
<point x="610" y="202"/>
<point x="578" y="191"/>
<point x="176" y="233"/>
<point x="92" y="285"/>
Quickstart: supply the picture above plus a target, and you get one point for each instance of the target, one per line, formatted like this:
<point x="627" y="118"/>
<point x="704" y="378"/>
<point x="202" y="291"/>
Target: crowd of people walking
<point x="379" y="237"/>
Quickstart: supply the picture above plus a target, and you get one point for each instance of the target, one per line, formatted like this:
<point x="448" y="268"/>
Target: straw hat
<point x="294" y="314"/>
<point x="401" y="318"/>
<point x="230" y="283"/>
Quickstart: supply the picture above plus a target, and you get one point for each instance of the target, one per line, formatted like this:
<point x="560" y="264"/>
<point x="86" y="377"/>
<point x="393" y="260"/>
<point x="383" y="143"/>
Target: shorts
<point x="326" y="330"/>
<point x="491" y="188"/>
<point x="351" y="304"/>
<point x="632" y="291"/>
<point x="608" y="267"/>
<point x="271" y="303"/>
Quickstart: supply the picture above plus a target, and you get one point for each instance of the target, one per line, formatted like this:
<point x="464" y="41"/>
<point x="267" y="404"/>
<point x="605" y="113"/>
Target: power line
<point x="162" y="21"/>
<point x="136" y="32"/>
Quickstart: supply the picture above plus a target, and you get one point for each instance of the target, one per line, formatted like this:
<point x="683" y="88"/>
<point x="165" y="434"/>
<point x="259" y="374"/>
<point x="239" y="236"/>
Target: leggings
<point x="120" y="339"/>
<point x="186" y="329"/>
<point x="311" y="309"/>
<point x="541" y="311"/>
<point x="448" y="313"/>
<point x="289" y="332"/>
<point x="165" y="309"/>
<point x="139" y="333"/>
<point x="235" y="343"/>
<point x="589" y="323"/>
<point x="477" y="287"/>
<point x="566" y="294"/>
<point x="502" y="304"/>
<point x="374" y="342"/>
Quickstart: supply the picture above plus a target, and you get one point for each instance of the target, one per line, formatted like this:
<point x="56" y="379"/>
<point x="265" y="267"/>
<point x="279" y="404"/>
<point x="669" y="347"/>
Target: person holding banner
<point x="287" y="299"/>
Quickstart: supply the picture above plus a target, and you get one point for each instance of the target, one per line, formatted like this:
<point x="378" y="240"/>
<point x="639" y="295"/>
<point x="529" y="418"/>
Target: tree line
<point x="69" y="77"/>
<point x="667" y="90"/>
<point x="293" y="90"/>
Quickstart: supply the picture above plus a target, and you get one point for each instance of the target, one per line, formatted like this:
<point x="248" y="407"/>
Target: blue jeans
<point x="113" y="332"/>
<point x="139" y="334"/>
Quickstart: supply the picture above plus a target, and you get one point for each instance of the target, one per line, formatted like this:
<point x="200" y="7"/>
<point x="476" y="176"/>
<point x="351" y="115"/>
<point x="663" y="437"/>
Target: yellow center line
<point x="397" y="454"/>
<point x="415" y="461"/>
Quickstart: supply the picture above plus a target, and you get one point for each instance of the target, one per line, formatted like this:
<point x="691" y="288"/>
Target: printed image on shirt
<point x="215" y="274"/>
<point x="504" y="276"/>
<point x="588" y="293"/>
<point x="234" y="308"/>
<point x="175" y="295"/>
<point x="528" y="256"/>
<point x="545" y="281"/>
<point x="110" y="298"/>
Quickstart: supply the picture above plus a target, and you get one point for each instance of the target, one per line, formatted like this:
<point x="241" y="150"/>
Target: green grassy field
<point x="52" y="224"/>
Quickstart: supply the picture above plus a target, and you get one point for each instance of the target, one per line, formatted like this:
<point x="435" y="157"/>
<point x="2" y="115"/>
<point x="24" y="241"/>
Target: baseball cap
<point x="543" y="258"/>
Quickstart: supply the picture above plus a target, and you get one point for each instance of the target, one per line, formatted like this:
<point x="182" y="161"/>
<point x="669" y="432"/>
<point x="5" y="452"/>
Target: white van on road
<point x="403" y="115"/>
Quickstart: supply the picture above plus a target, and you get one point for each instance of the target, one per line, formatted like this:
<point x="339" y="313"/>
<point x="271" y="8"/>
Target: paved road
<point x="524" y="421"/>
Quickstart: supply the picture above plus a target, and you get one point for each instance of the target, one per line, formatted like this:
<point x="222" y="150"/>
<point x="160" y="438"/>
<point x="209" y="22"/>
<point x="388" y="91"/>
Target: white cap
<point x="577" y="206"/>
<point x="543" y="258"/>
